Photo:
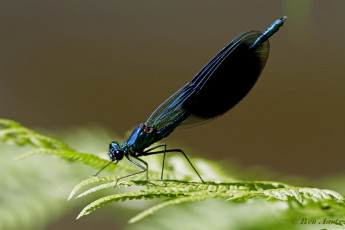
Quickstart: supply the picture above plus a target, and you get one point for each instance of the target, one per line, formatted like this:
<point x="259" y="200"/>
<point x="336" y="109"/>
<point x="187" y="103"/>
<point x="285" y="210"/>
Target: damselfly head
<point x="115" y="152"/>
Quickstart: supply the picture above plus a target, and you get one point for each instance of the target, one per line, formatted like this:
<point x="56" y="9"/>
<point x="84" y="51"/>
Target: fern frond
<point x="89" y="181"/>
<point x="279" y="194"/>
<point x="7" y="124"/>
<point x="11" y="131"/>
<point x="156" y="208"/>
<point x="179" y="192"/>
<point x="174" y="191"/>
<point x="84" y="158"/>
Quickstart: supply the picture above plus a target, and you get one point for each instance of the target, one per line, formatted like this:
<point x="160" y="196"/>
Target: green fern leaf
<point x="174" y="191"/>
<point x="13" y="132"/>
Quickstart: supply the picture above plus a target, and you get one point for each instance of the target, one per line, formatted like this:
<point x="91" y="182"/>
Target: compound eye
<point x="119" y="154"/>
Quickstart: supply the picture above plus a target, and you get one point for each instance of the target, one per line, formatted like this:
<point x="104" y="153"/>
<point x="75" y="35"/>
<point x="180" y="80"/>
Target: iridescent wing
<point x="220" y="85"/>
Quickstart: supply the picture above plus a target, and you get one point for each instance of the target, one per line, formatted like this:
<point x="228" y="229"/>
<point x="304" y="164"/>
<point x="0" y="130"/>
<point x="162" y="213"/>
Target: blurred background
<point x="69" y="63"/>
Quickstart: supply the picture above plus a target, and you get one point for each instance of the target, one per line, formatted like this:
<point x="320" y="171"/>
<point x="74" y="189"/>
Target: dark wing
<point x="170" y="112"/>
<point x="220" y="85"/>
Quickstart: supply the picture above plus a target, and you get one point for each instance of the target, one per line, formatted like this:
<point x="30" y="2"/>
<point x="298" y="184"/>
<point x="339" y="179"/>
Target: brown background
<point x="71" y="63"/>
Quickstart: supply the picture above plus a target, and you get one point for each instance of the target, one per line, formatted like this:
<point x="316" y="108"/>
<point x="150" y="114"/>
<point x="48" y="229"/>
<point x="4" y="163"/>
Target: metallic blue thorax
<point x="144" y="136"/>
<point x="141" y="138"/>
